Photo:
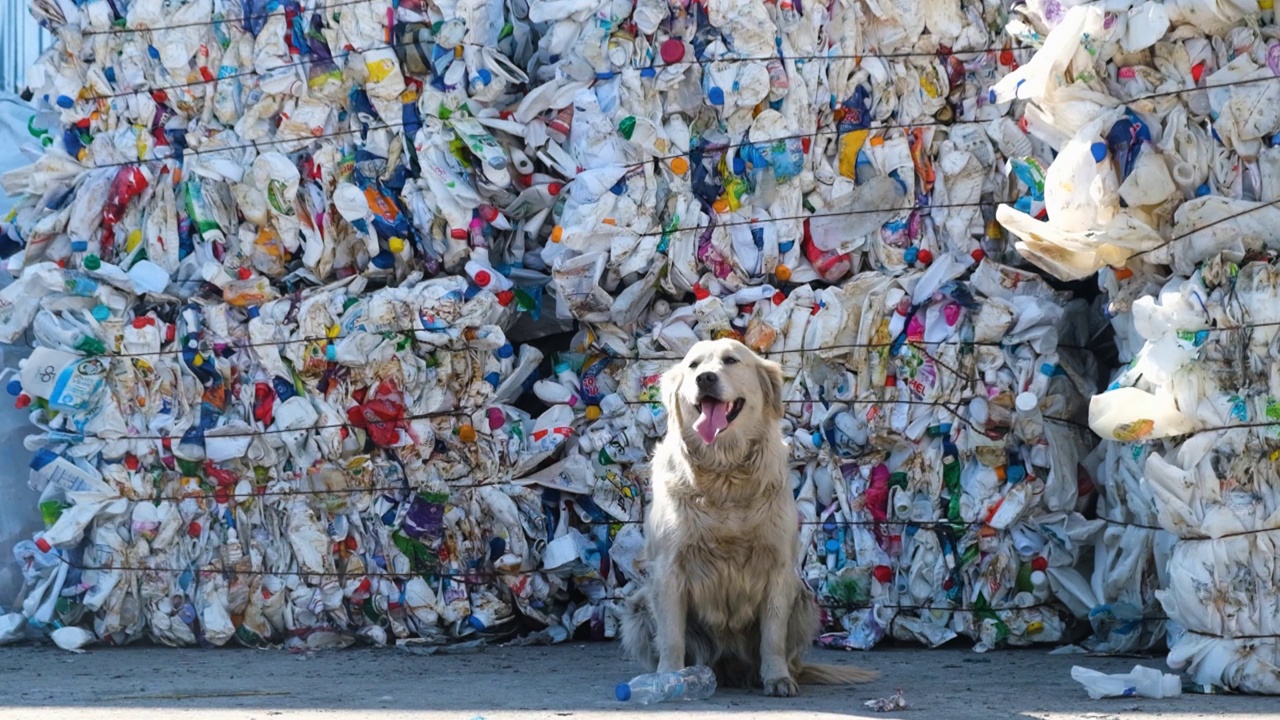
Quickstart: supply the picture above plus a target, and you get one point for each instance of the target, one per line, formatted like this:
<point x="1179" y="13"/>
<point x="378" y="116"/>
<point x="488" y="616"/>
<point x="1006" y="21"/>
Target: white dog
<point x="722" y="536"/>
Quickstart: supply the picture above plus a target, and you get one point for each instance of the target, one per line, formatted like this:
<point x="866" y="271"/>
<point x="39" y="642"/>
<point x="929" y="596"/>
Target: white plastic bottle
<point x="1141" y="682"/>
<point x="692" y="683"/>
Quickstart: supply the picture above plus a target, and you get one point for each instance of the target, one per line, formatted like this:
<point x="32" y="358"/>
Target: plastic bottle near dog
<point x="692" y="683"/>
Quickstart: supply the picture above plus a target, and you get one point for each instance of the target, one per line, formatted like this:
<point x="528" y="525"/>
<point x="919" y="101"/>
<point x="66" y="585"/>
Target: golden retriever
<point x="722" y="539"/>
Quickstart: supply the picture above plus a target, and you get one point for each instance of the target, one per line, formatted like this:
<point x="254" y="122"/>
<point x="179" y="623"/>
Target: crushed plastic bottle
<point x="1138" y="682"/>
<point x="691" y="683"/>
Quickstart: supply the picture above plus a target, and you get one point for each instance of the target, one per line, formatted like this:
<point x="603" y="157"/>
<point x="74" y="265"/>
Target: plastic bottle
<point x="1141" y="682"/>
<point x="692" y="683"/>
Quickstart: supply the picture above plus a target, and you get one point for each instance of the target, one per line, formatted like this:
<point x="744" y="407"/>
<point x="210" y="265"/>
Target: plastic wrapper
<point x="273" y="256"/>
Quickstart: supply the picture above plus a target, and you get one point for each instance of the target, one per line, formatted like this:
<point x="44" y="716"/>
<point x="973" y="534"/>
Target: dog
<point x="722" y="536"/>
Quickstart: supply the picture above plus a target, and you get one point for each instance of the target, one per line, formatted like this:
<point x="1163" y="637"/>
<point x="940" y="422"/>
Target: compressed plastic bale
<point x="334" y="377"/>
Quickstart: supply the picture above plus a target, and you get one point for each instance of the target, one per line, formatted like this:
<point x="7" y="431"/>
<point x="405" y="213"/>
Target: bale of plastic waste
<point x="1165" y="186"/>
<point x="273" y="254"/>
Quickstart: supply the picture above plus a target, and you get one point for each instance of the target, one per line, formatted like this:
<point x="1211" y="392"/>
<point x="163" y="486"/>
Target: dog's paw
<point x="781" y="687"/>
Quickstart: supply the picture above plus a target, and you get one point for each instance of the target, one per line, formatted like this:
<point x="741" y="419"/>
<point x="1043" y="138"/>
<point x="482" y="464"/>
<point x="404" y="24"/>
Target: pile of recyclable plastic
<point x="1165" y="183"/>
<point x="299" y="280"/>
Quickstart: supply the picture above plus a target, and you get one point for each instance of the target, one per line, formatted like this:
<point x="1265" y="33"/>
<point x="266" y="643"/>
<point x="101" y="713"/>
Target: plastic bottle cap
<point x="739" y="166"/>
<point x="1026" y="402"/>
<point x="253" y="313"/>
<point x="467" y="434"/>
<point x="43" y="545"/>
<point x="671" y="50"/>
<point x="496" y="418"/>
<point x="92" y="262"/>
<point x="560" y="367"/>
<point x="593" y="412"/>
<point x="1015" y="474"/>
<point x="925" y="257"/>
<point x="505" y="297"/>
<point x="883" y="573"/>
<point x="396" y="245"/>
<point x="79" y="245"/>
<point x="554" y="189"/>
<point x="331" y="353"/>
<point x="679" y="166"/>
<point x="721" y="206"/>
<point x="910" y="255"/>
<point x="483" y="278"/>
<point x="623" y="690"/>
<point x="100" y="312"/>
<point x="505" y="351"/>
<point x="458" y="234"/>
<point x="783" y="273"/>
<point x="715" y="95"/>
<point x="557" y="232"/>
<point x="488" y="213"/>
<point x="1038" y="578"/>
<point x="1099" y="150"/>
<point x="14" y="387"/>
<point x="244" y="273"/>
<point x="817" y="438"/>
<point x="1039" y="563"/>
<point x="493" y="379"/>
<point x="977" y="255"/>
<point x="484" y="76"/>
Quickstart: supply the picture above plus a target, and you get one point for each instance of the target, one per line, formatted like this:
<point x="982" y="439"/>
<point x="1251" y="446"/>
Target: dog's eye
<point x="731" y="360"/>
<point x="693" y="364"/>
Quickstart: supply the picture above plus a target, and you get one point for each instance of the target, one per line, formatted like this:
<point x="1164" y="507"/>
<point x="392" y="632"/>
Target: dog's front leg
<point x="669" y="609"/>
<point x="773" y="641"/>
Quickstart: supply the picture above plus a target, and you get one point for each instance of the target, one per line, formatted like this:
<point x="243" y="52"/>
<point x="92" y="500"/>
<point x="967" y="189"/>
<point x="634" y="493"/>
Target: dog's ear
<point x="770" y="376"/>
<point x="669" y="386"/>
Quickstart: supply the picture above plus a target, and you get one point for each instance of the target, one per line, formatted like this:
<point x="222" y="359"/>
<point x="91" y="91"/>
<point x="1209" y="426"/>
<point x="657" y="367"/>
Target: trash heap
<point x="349" y="318"/>
<point x="1165" y="184"/>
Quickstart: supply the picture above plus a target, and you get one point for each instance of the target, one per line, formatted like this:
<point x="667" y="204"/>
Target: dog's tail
<point x="811" y="674"/>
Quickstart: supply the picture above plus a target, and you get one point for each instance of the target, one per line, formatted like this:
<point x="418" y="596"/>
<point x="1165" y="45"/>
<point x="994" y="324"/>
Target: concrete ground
<point x="566" y="681"/>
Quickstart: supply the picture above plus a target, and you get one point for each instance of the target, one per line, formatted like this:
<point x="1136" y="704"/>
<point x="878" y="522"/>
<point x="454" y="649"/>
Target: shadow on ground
<point x="575" y="680"/>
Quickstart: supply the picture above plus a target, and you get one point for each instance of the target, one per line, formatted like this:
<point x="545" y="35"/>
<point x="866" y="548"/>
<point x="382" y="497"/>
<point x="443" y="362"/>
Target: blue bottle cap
<point x="79" y="245"/>
<point x="817" y="438"/>
<point x="623" y="692"/>
<point x="331" y="353"/>
<point x="484" y="76"/>
<point x="505" y="351"/>
<point x="648" y="73"/>
<point x="1203" y="190"/>
<point x="1015" y="474"/>
<point x="716" y="96"/>
<point x="65" y="102"/>
<point x="619" y="187"/>
<point x="475" y="622"/>
<point x="1048" y="369"/>
<point x="14" y="387"/>
<point x="493" y="379"/>
<point x="833" y="546"/>
<point x="991" y="96"/>
<point x="100" y="312"/>
<point x="253" y="311"/>
<point x="911" y="255"/>
<point x="153" y="52"/>
<point x="739" y="167"/>
<point x="786" y="245"/>
<point x="110" y="74"/>
<point x="1099" y="150"/>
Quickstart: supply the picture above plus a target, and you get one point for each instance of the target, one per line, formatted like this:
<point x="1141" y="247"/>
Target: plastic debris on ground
<point x="272" y="254"/>
<point x="895" y="701"/>
<point x="1165" y="185"/>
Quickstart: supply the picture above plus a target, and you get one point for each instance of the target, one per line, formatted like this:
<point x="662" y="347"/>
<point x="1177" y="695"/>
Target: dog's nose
<point x="706" y="379"/>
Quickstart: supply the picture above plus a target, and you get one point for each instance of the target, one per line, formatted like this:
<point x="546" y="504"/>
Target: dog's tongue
<point x="713" y="420"/>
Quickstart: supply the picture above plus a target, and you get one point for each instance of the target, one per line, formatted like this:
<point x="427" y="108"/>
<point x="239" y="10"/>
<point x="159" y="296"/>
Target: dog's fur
<point x="722" y="541"/>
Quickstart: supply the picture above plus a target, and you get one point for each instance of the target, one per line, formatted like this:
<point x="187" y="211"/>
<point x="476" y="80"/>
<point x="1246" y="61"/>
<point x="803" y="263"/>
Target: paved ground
<point x="568" y="681"/>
